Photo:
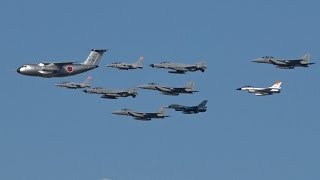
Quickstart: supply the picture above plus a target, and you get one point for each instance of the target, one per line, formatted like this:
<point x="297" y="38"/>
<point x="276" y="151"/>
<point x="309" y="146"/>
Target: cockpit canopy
<point x="152" y="83"/>
<point x="267" y="57"/>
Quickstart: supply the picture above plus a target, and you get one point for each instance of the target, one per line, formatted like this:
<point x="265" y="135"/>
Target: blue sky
<point x="53" y="133"/>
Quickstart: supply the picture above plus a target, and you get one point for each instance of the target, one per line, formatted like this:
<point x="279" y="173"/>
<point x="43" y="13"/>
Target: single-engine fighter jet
<point x="179" y="68"/>
<point x="275" y="88"/>
<point x="143" y="116"/>
<point x="126" y="66"/>
<point x="173" y="91"/>
<point x="62" y="69"/>
<point x="73" y="85"/>
<point x="112" y="93"/>
<point x="190" y="109"/>
<point x="286" y="63"/>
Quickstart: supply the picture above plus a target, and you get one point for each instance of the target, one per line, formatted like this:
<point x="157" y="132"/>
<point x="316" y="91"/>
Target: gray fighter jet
<point x="73" y="85"/>
<point x="173" y="91"/>
<point x="190" y="109"/>
<point x="286" y="63"/>
<point x="179" y="68"/>
<point x="126" y="66"/>
<point x="62" y="69"/>
<point x="143" y="116"/>
<point x="112" y="93"/>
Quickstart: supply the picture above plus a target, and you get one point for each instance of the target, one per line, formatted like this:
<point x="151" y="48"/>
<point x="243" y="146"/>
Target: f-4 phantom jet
<point x="73" y="85"/>
<point x="173" y="91"/>
<point x="126" y="66"/>
<point x="190" y="109"/>
<point x="62" y="69"/>
<point x="143" y="116"/>
<point x="275" y="88"/>
<point x="112" y="93"/>
<point x="286" y="63"/>
<point x="179" y="68"/>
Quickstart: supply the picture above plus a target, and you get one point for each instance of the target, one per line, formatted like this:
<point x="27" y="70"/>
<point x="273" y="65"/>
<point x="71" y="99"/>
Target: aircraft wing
<point x="278" y="62"/>
<point x="136" y="114"/>
<point x="178" y="69"/>
<point x="163" y="89"/>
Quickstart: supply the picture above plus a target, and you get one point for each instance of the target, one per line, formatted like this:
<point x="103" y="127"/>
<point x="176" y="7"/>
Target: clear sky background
<point x="53" y="133"/>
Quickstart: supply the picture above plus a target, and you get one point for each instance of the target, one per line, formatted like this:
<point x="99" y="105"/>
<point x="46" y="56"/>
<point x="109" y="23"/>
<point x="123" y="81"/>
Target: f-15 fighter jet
<point x="112" y="93"/>
<point x="173" y="91"/>
<point x="62" y="69"/>
<point x="74" y="85"/>
<point x="180" y="68"/>
<point x="143" y="116"/>
<point x="190" y="109"/>
<point x="275" y="88"/>
<point x="126" y="66"/>
<point x="286" y="63"/>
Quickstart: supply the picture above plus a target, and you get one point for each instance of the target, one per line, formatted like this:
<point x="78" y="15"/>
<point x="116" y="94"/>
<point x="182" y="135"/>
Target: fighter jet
<point x="126" y="66"/>
<point x="62" y="69"/>
<point x="73" y="85"/>
<point x="173" y="91"/>
<point x="112" y="93"/>
<point x="179" y="68"/>
<point x="275" y="88"/>
<point x="143" y="116"/>
<point x="286" y="63"/>
<point x="190" y="109"/>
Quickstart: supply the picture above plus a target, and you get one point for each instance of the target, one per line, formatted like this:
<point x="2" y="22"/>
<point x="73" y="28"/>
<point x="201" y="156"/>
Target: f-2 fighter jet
<point x="275" y="88"/>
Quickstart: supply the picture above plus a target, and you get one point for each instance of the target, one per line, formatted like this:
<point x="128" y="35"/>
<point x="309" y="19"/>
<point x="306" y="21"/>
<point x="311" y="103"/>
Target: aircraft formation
<point x="63" y="69"/>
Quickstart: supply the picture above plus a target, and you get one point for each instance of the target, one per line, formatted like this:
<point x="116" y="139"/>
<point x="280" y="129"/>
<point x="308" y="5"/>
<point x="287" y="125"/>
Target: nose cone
<point x="152" y="65"/>
<point x="260" y="60"/>
<point x="239" y="89"/>
<point x="18" y="70"/>
<point x="85" y="90"/>
<point x="142" y="87"/>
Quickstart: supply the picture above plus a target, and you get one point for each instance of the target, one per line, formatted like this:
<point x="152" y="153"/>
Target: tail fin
<point x="94" y="57"/>
<point x="161" y="111"/>
<point x="140" y="61"/>
<point x="203" y="104"/>
<point x="190" y="85"/>
<point x="276" y="85"/>
<point x="306" y="58"/>
<point x="87" y="81"/>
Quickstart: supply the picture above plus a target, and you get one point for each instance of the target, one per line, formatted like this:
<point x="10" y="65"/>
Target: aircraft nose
<point x="239" y="89"/>
<point x="18" y="70"/>
<point x="152" y="65"/>
<point x="85" y="91"/>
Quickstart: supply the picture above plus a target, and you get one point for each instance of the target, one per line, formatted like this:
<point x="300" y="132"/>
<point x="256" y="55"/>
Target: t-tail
<point x="203" y="104"/>
<point x="276" y="85"/>
<point x="94" y="57"/>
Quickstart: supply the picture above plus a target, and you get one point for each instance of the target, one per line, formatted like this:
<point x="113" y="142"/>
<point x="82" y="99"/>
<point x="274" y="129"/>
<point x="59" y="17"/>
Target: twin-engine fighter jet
<point x="143" y="116"/>
<point x="112" y="93"/>
<point x="190" y="109"/>
<point x="74" y="85"/>
<point x="173" y="91"/>
<point x="179" y="68"/>
<point x="62" y="69"/>
<point x="275" y="88"/>
<point x="286" y="63"/>
<point x="126" y="66"/>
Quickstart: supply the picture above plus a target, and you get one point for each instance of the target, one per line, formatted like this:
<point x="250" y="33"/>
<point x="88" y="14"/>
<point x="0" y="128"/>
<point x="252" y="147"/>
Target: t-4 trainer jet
<point x="62" y="69"/>
<point x="275" y="88"/>
<point x="286" y="63"/>
<point x="74" y="85"/>
<point x="126" y="66"/>
<point x="190" y="109"/>
<point x="112" y="93"/>
<point x="143" y="116"/>
<point x="179" y="68"/>
<point x="173" y="91"/>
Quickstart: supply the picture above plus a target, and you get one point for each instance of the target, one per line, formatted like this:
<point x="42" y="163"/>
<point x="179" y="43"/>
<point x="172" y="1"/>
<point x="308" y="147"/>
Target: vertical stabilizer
<point x="161" y="111"/>
<point x="306" y="58"/>
<point x="190" y="85"/>
<point x="94" y="57"/>
<point x="203" y="104"/>
<point x="87" y="81"/>
<point x="276" y="85"/>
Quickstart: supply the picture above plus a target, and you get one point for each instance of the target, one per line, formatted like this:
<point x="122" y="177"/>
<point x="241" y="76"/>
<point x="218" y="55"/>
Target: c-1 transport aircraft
<point x="62" y="69"/>
<point x="275" y="88"/>
<point x="286" y="63"/>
